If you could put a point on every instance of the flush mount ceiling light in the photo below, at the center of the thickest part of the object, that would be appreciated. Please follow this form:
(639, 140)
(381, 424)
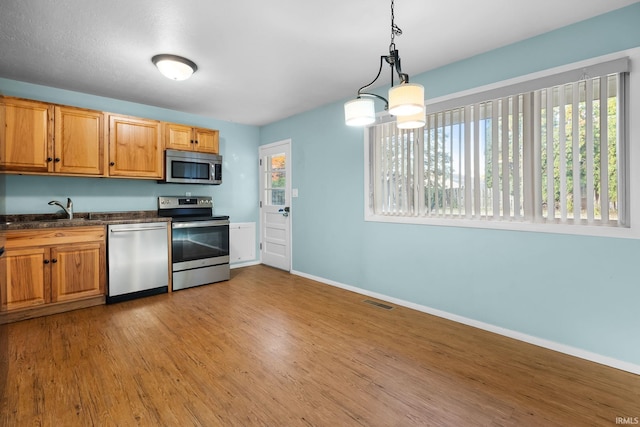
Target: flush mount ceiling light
(405, 99)
(174, 67)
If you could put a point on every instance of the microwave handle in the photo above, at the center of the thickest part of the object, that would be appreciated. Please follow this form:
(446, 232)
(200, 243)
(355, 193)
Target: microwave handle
(216, 171)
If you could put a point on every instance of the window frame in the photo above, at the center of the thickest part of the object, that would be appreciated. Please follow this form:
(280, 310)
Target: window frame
(631, 137)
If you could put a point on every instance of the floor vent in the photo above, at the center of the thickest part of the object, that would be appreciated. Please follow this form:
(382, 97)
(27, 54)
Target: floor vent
(378, 304)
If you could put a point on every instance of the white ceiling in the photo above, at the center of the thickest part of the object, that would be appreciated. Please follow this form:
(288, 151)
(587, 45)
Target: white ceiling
(258, 61)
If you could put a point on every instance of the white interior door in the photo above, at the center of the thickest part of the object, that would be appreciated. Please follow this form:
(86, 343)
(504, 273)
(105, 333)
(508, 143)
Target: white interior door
(275, 202)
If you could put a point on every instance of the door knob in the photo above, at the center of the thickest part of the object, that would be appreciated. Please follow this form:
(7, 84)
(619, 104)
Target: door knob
(285, 211)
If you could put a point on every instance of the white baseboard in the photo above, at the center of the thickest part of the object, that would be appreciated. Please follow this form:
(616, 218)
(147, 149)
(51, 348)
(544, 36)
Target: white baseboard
(245, 264)
(540, 342)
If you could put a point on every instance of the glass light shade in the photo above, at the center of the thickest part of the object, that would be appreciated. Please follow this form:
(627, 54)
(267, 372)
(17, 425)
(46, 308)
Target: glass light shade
(359, 112)
(413, 121)
(174, 67)
(406, 99)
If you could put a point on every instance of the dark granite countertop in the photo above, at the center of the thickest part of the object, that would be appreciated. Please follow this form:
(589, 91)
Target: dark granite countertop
(80, 219)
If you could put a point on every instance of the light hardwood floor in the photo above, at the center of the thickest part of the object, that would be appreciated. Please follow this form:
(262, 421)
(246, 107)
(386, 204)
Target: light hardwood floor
(272, 349)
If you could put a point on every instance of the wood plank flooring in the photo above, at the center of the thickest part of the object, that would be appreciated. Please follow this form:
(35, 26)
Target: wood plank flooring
(271, 349)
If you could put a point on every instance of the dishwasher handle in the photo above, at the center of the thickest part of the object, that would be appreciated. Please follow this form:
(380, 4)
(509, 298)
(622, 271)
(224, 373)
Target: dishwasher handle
(126, 230)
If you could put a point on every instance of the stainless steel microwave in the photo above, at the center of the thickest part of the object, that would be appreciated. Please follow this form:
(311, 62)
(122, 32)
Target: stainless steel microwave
(188, 167)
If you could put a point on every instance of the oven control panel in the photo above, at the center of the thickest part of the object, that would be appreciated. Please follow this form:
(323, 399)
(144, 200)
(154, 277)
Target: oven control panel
(173, 202)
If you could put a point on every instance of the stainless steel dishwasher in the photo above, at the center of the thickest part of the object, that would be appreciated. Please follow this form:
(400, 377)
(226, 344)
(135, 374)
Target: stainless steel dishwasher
(138, 260)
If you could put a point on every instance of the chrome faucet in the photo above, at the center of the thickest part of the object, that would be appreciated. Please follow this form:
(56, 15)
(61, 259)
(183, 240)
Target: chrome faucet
(68, 210)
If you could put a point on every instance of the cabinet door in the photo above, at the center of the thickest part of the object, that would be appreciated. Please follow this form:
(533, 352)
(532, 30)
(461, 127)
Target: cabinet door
(135, 147)
(26, 278)
(77, 271)
(78, 141)
(26, 135)
(207, 141)
(178, 137)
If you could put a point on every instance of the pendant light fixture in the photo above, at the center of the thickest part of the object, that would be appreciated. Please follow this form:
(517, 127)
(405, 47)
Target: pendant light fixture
(174, 67)
(406, 100)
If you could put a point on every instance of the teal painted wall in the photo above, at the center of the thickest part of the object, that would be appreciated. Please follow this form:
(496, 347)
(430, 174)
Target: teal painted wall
(578, 291)
(236, 197)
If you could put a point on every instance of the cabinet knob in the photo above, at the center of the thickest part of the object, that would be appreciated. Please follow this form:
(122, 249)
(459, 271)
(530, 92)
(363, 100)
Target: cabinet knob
(192, 141)
(53, 261)
(57, 159)
(196, 141)
(46, 261)
(112, 164)
(49, 159)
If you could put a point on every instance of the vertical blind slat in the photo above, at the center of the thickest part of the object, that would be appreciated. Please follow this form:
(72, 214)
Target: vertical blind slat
(495, 159)
(562, 137)
(436, 140)
(590, 154)
(388, 170)
(468, 198)
(517, 204)
(445, 187)
(550, 175)
(377, 169)
(604, 151)
(575, 150)
(537, 152)
(476, 161)
(505, 159)
(419, 162)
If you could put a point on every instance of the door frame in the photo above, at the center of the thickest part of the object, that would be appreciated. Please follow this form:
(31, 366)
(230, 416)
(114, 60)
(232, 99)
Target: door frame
(288, 144)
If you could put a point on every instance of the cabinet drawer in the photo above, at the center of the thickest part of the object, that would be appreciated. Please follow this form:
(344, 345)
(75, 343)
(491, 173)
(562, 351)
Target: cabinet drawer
(53, 236)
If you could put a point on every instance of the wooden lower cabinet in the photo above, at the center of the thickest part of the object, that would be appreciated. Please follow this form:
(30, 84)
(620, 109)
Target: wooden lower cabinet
(76, 272)
(26, 278)
(45, 269)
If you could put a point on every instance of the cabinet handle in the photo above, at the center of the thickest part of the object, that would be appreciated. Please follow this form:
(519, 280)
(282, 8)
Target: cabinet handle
(192, 141)
(112, 164)
(53, 261)
(49, 159)
(196, 141)
(46, 261)
(57, 159)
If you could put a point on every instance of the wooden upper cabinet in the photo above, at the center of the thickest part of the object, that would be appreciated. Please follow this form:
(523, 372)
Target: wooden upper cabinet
(26, 130)
(43, 138)
(135, 147)
(178, 137)
(78, 141)
(207, 141)
(181, 137)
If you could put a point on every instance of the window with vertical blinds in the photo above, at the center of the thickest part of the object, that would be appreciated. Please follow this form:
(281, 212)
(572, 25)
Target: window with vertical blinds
(553, 154)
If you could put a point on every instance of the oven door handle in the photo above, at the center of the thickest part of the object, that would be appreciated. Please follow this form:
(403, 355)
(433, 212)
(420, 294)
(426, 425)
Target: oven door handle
(198, 224)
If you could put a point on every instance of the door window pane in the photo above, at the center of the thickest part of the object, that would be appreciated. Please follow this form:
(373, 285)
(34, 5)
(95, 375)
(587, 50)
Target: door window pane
(275, 179)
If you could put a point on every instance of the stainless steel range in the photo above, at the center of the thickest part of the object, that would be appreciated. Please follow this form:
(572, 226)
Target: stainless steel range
(199, 241)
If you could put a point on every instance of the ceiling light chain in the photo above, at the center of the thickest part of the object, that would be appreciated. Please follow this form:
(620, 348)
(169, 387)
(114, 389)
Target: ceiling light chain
(395, 30)
(406, 99)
